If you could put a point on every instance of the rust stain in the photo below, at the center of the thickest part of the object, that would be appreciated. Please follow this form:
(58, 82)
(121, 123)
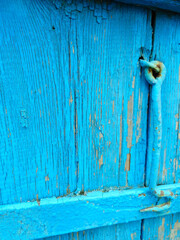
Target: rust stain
(130, 121)
(73, 49)
(161, 230)
(128, 161)
(142, 194)
(101, 161)
(162, 193)
(177, 115)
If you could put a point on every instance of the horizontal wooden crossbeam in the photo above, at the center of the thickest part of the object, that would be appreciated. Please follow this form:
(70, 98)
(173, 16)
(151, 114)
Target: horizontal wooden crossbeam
(170, 5)
(54, 216)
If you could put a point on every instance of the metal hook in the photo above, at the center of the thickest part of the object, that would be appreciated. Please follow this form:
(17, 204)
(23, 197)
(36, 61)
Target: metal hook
(155, 73)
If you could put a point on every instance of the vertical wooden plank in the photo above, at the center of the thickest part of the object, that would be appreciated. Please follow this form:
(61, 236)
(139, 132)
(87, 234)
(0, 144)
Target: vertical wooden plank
(129, 231)
(167, 49)
(37, 116)
(112, 99)
(162, 228)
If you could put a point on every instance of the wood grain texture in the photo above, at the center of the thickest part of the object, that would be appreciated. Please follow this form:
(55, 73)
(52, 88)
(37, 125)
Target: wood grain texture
(167, 49)
(73, 106)
(170, 5)
(129, 231)
(37, 121)
(162, 228)
(111, 99)
(73, 117)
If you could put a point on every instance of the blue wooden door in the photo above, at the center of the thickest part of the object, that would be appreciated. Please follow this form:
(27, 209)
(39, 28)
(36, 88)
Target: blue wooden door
(74, 116)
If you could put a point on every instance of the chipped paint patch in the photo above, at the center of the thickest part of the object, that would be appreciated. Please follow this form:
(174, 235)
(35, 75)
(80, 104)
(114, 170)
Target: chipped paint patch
(161, 230)
(175, 230)
(70, 99)
(130, 121)
(177, 125)
(37, 200)
(138, 122)
(101, 162)
(128, 162)
(133, 82)
(133, 235)
(120, 137)
(47, 178)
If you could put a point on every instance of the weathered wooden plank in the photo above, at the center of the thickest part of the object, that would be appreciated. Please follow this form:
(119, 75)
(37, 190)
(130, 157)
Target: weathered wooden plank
(129, 231)
(73, 107)
(37, 150)
(162, 228)
(55, 216)
(170, 5)
(166, 33)
(111, 98)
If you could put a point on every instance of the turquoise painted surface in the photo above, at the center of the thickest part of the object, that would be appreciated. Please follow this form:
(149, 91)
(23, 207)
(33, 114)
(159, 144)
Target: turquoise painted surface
(74, 108)
(167, 48)
(161, 228)
(74, 105)
(116, 232)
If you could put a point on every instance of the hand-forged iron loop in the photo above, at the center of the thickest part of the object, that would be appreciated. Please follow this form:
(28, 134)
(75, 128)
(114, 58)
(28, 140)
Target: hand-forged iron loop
(155, 73)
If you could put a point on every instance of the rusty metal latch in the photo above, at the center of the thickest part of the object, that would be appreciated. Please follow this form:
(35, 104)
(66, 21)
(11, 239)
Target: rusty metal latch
(155, 73)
